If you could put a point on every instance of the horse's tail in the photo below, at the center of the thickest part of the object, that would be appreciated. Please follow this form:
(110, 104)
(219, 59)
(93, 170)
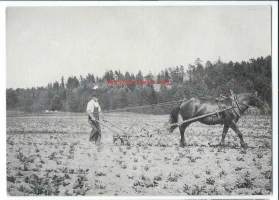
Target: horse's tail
(174, 118)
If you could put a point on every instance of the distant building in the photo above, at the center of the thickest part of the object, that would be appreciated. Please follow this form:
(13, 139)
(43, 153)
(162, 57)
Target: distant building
(157, 87)
(168, 86)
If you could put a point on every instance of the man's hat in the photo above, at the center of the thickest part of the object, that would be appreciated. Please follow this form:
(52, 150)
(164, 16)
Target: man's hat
(94, 91)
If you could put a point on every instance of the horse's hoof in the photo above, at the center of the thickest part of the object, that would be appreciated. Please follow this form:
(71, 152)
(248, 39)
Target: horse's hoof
(182, 144)
(221, 144)
(244, 146)
(243, 151)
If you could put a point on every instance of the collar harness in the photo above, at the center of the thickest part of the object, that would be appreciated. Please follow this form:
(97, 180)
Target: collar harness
(236, 104)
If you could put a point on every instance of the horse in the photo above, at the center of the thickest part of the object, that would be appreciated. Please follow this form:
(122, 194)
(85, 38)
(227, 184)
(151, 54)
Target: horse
(195, 107)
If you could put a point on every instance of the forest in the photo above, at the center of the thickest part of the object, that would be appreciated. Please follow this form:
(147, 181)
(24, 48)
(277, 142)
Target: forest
(199, 79)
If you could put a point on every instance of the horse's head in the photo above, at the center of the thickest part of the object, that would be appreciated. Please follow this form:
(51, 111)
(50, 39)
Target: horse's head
(252, 99)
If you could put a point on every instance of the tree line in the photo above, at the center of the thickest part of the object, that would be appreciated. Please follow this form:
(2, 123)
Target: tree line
(197, 80)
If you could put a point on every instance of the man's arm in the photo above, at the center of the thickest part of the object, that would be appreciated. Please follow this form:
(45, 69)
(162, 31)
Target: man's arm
(99, 108)
(101, 114)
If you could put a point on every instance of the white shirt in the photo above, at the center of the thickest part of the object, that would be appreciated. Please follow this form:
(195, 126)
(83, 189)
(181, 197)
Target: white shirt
(91, 105)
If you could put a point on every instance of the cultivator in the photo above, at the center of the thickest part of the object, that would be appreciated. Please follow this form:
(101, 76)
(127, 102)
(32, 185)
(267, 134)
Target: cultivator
(131, 134)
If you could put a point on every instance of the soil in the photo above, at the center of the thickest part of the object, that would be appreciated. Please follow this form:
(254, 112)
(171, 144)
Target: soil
(51, 155)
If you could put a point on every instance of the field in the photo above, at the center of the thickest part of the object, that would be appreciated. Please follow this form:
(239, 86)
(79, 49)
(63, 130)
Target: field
(50, 154)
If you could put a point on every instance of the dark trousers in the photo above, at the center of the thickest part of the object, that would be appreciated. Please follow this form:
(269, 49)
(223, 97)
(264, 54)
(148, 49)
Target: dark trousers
(95, 134)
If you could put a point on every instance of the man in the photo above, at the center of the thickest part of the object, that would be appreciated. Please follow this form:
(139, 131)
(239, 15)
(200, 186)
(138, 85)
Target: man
(93, 110)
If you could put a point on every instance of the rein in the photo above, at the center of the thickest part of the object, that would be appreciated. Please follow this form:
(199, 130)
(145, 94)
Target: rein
(235, 100)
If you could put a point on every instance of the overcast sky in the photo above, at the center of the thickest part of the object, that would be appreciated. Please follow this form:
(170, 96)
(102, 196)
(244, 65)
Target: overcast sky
(45, 43)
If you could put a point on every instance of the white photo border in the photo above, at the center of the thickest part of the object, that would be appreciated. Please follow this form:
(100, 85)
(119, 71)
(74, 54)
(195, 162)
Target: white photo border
(274, 6)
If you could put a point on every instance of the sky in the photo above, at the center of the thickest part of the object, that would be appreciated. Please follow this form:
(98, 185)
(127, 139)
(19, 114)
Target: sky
(46, 43)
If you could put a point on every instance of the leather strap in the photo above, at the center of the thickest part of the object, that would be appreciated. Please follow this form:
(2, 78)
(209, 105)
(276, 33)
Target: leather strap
(237, 104)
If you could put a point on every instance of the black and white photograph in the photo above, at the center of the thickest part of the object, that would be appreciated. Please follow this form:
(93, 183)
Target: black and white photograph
(145, 100)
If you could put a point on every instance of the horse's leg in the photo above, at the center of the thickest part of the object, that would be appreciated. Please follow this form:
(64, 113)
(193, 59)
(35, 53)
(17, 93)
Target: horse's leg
(225, 131)
(239, 134)
(182, 137)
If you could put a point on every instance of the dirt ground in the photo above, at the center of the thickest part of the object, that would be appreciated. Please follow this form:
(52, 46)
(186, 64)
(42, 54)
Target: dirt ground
(50, 154)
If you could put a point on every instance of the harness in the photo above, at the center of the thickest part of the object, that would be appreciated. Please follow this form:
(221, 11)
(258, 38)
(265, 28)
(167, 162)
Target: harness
(221, 105)
(236, 104)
